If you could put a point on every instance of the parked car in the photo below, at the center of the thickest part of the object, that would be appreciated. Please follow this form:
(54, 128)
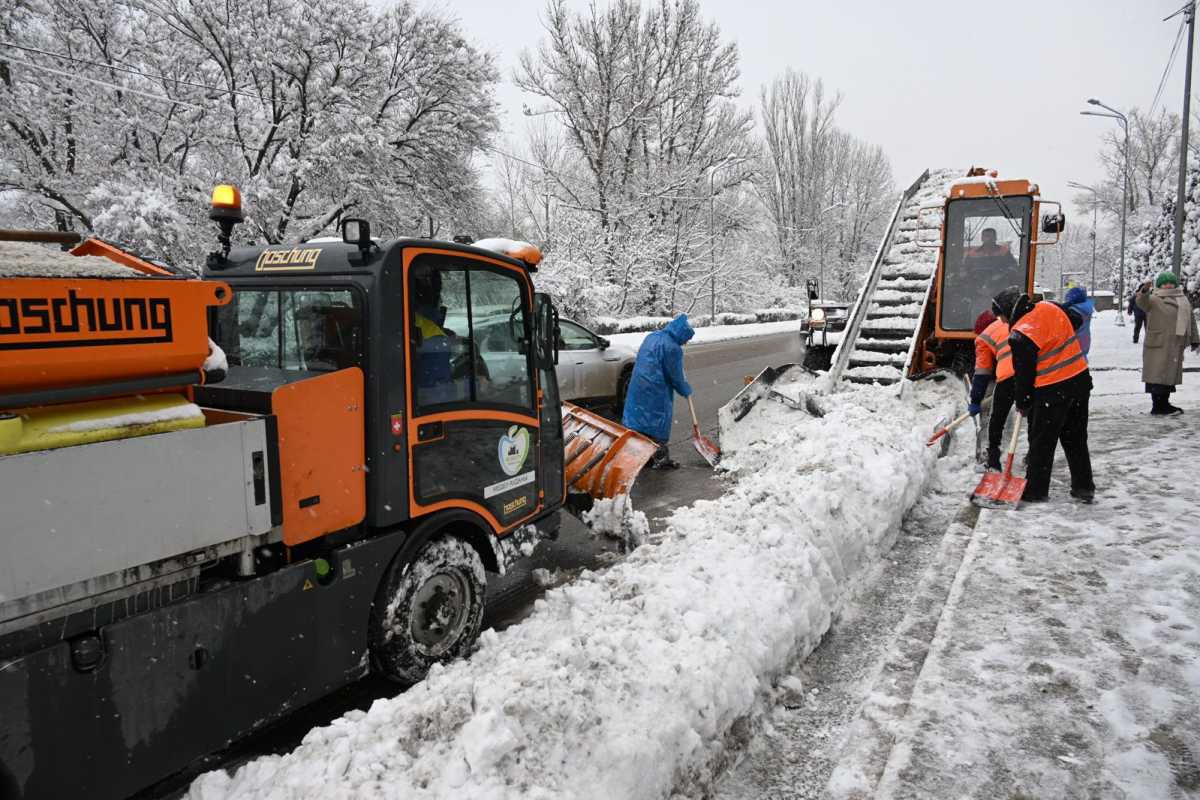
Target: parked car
(591, 369)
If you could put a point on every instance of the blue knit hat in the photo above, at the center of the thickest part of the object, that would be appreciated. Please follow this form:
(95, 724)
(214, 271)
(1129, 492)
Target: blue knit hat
(1165, 277)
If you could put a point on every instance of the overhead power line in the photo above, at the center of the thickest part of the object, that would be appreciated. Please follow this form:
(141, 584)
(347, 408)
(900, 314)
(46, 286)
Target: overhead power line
(1167, 71)
(106, 84)
(129, 70)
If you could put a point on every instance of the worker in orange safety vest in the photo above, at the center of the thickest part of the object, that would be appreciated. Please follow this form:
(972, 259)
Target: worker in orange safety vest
(993, 361)
(1052, 386)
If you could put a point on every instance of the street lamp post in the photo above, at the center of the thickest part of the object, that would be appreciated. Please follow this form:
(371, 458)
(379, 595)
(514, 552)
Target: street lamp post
(1095, 216)
(1117, 115)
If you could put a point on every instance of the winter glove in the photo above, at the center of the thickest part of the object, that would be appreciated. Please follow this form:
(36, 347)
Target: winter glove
(973, 408)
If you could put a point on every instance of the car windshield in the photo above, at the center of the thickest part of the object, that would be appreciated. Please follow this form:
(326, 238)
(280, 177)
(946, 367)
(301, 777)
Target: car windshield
(986, 250)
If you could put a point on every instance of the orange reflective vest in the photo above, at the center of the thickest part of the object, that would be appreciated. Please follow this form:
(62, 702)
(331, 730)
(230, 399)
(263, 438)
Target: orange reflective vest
(1059, 355)
(992, 354)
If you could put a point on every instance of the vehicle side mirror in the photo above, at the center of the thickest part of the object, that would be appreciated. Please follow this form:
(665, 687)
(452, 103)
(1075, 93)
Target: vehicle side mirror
(602, 343)
(547, 333)
(356, 232)
(1054, 223)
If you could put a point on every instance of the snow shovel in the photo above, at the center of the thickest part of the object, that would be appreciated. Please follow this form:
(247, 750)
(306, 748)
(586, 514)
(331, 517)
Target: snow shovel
(943, 431)
(999, 489)
(704, 446)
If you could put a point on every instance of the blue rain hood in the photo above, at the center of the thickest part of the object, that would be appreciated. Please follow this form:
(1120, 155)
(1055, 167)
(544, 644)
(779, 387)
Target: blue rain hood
(1078, 301)
(657, 377)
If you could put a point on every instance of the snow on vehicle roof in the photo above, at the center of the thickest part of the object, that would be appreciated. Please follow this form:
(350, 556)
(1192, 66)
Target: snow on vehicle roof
(513, 248)
(27, 260)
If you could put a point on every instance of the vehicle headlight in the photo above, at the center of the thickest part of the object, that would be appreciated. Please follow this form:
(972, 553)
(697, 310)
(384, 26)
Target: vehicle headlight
(817, 318)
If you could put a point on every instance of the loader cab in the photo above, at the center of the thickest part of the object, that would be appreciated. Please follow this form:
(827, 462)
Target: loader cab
(987, 248)
(460, 397)
(989, 241)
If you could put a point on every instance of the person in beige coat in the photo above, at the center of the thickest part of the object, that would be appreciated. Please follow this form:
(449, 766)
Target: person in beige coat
(1170, 327)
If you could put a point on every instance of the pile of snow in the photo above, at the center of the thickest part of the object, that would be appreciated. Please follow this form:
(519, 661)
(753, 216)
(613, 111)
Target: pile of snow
(647, 324)
(720, 333)
(27, 260)
(626, 683)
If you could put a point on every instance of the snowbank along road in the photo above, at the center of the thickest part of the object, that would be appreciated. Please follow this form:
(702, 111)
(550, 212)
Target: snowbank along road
(633, 681)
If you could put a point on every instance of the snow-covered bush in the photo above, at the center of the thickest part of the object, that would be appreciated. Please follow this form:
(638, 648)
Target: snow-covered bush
(778, 314)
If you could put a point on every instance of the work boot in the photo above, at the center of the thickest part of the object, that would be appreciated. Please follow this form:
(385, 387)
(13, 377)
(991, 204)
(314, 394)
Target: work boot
(1159, 405)
(1084, 495)
(666, 463)
(1171, 410)
(993, 461)
(1029, 497)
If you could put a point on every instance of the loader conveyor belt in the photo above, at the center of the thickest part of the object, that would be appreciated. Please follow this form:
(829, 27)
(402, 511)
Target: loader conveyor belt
(877, 345)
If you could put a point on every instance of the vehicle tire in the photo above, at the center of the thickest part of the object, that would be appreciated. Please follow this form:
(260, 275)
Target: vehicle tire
(427, 610)
(622, 390)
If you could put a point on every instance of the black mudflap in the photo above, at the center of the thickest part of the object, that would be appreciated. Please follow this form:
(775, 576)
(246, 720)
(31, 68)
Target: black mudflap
(185, 680)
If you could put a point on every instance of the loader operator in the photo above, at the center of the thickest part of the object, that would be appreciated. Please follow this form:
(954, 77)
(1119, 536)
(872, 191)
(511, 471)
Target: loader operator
(1052, 386)
(993, 360)
(990, 249)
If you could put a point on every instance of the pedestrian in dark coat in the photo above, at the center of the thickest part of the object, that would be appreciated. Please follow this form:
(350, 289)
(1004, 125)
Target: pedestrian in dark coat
(657, 378)
(1139, 316)
(1170, 327)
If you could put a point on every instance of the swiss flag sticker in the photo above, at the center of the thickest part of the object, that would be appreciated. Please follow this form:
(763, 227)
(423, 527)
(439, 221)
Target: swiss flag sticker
(397, 424)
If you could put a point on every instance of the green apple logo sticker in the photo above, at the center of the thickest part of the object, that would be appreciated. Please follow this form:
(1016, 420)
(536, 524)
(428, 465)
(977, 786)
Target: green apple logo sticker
(514, 446)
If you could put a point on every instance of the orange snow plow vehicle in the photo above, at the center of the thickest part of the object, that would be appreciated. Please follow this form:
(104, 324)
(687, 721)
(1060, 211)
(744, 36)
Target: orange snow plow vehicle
(199, 536)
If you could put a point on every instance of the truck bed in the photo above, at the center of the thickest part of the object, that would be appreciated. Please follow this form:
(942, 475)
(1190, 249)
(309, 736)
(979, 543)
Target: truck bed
(80, 522)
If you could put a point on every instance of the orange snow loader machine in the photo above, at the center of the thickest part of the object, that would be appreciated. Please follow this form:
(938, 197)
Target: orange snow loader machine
(989, 241)
(191, 548)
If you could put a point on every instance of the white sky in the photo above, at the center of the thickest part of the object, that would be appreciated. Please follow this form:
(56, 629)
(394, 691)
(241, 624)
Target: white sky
(935, 82)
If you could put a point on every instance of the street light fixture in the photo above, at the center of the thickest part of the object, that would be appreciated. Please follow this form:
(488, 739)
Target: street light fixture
(1095, 215)
(1117, 115)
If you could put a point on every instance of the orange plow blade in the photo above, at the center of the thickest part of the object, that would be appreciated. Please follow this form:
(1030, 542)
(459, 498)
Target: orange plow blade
(602, 457)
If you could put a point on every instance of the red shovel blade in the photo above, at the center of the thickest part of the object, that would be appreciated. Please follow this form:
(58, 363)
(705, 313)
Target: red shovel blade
(705, 447)
(998, 489)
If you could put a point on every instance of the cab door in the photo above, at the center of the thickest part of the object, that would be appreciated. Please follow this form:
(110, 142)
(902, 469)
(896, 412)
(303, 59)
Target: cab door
(473, 430)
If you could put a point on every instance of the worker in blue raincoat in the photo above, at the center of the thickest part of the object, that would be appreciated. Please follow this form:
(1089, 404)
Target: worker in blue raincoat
(1077, 299)
(657, 376)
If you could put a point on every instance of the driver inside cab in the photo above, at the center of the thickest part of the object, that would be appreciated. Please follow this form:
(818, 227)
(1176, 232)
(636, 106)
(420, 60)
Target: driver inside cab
(431, 342)
(990, 248)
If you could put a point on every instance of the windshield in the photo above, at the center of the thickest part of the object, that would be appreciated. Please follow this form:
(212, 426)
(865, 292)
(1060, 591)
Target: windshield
(296, 329)
(986, 251)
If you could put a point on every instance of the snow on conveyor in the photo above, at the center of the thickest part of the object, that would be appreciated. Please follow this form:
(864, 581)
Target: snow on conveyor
(625, 683)
(26, 260)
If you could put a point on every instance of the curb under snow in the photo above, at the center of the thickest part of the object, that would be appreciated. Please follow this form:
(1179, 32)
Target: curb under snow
(625, 683)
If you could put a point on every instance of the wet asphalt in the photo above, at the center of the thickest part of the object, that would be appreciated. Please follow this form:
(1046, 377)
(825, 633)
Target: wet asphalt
(716, 371)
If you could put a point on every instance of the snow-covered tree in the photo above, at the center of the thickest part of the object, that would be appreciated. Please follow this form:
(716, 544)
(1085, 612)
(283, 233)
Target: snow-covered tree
(1151, 250)
(824, 192)
(119, 117)
(646, 96)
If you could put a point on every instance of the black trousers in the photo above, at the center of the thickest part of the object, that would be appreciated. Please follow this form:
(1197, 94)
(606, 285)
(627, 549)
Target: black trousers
(1059, 415)
(1002, 403)
(1138, 322)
